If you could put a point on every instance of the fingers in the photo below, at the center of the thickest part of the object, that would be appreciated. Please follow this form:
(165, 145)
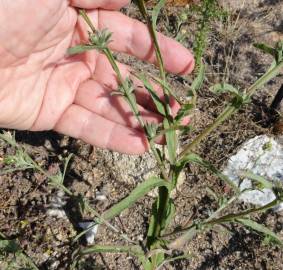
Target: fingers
(105, 4)
(132, 37)
(96, 98)
(83, 124)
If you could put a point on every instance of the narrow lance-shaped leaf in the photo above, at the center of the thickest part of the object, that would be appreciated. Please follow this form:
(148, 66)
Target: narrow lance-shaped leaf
(156, 11)
(152, 223)
(265, 48)
(164, 85)
(260, 228)
(80, 49)
(110, 249)
(9, 246)
(279, 49)
(198, 81)
(67, 161)
(9, 138)
(276, 52)
(132, 250)
(157, 101)
(140, 191)
(198, 160)
(224, 88)
(263, 183)
(171, 140)
(170, 213)
(183, 112)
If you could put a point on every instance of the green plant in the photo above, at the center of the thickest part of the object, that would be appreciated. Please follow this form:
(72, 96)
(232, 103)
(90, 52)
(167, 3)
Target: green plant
(204, 12)
(208, 10)
(160, 244)
(159, 249)
(12, 256)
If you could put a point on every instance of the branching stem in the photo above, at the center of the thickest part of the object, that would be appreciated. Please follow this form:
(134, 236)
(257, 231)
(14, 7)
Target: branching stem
(231, 109)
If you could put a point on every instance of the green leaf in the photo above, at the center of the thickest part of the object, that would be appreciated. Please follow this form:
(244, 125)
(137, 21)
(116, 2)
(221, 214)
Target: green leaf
(171, 140)
(147, 265)
(266, 49)
(198, 81)
(261, 228)
(187, 256)
(276, 52)
(9, 137)
(170, 213)
(132, 250)
(279, 50)
(157, 101)
(80, 49)
(165, 86)
(100, 39)
(67, 161)
(158, 259)
(194, 158)
(156, 11)
(151, 129)
(58, 179)
(9, 246)
(263, 183)
(140, 191)
(183, 112)
(221, 88)
(136, 250)
(152, 224)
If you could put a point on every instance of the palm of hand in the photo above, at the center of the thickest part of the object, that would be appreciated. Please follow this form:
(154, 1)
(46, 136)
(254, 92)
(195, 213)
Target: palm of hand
(42, 89)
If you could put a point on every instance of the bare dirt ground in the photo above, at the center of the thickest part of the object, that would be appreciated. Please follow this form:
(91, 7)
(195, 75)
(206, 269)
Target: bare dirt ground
(25, 197)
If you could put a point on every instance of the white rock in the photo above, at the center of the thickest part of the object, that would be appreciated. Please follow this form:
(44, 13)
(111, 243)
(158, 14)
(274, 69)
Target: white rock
(91, 228)
(262, 156)
(58, 213)
(99, 196)
(56, 205)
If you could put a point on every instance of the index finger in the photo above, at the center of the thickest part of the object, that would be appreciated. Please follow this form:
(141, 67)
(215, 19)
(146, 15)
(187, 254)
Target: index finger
(132, 37)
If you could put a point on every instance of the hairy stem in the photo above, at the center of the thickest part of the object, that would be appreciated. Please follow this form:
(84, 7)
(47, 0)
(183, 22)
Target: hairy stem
(212, 220)
(231, 109)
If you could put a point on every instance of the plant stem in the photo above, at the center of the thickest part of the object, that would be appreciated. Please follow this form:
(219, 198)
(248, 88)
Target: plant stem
(115, 67)
(232, 217)
(163, 193)
(222, 117)
(158, 54)
(102, 220)
(159, 161)
(83, 13)
(134, 109)
(211, 221)
(231, 109)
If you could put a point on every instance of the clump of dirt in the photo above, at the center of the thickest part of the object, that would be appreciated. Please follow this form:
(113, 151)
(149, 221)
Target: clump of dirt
(25, 197)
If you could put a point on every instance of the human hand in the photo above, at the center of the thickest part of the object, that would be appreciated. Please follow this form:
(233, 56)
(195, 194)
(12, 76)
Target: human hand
(43, 89)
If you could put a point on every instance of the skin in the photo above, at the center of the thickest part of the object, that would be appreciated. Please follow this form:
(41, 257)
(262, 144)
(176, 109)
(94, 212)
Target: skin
(41, 88)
